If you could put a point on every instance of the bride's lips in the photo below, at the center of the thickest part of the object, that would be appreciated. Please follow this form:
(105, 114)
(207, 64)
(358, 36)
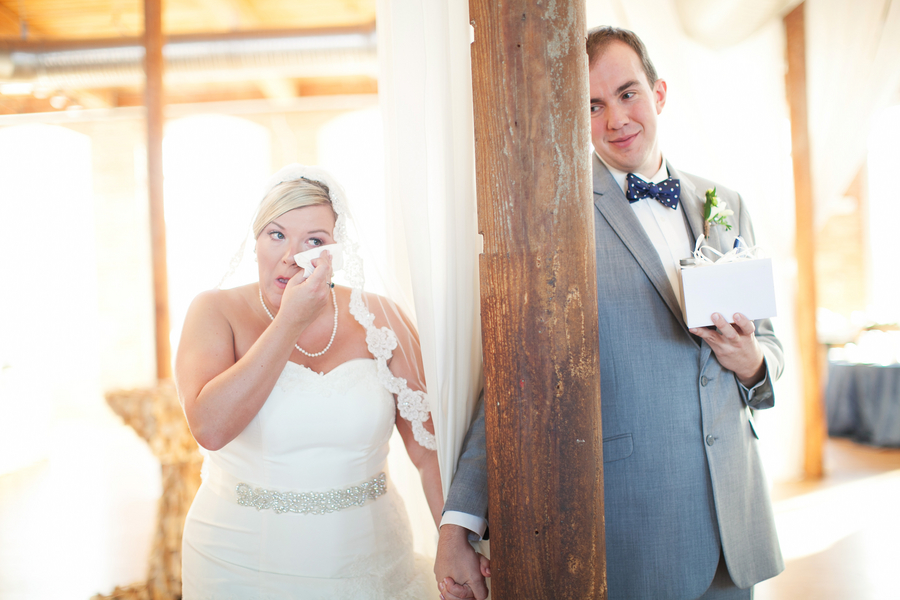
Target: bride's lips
(281, 282)
(624, 142)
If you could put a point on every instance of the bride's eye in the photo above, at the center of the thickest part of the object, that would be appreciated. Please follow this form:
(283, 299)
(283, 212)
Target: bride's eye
(276, 235)
(314, 242)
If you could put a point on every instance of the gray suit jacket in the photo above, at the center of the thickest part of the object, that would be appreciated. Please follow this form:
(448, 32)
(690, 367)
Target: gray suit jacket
(682, 473)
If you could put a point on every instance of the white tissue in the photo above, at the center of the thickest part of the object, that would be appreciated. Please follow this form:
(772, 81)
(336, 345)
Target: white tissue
(304, 259)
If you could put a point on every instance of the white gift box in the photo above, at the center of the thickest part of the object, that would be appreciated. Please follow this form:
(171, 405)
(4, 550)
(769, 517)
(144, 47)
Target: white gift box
(742, 286)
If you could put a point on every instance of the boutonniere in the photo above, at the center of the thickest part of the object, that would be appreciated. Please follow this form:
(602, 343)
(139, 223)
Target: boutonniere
(715, 212)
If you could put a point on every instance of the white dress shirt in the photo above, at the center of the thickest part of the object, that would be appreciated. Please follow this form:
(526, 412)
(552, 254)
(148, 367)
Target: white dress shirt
(665, 227)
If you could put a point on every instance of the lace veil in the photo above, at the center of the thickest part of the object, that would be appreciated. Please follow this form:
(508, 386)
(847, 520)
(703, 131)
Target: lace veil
(390, 334)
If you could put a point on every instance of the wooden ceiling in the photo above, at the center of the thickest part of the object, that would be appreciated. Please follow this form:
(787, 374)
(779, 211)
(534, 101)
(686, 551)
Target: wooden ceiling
(91, 19)
(33, 23)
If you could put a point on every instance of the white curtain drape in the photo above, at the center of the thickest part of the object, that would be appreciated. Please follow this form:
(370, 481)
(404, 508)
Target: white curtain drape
(723, 23)
(425, 90)
(853, 71)
(852, 51)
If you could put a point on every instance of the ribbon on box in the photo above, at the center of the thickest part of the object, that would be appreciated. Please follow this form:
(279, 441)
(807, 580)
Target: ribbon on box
(741, 282)
(740, 252)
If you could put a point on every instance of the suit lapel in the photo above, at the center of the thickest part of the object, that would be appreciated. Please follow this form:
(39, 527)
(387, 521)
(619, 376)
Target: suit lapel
(612, 204)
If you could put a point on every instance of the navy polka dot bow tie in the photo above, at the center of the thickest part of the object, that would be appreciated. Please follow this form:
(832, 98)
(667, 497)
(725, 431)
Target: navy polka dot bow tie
(667, 191)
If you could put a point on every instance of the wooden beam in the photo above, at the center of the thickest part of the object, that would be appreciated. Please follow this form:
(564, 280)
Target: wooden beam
(153, 61)
(334, 86)
(14, 21)
(10, 23)
(181, 95)
(239, 14)
(814, 419)
(91, 98)
(277, 88)
(82, 44)
(538, 300)
(231, 14)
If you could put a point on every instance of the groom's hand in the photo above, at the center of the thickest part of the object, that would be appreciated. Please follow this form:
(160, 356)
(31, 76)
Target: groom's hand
(458, 569)
(735, 347)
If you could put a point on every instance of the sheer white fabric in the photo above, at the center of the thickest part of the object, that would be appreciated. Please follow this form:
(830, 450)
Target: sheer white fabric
(719, 24)
(849, 46)
(852, 51)
(351, 147)
(426, 99)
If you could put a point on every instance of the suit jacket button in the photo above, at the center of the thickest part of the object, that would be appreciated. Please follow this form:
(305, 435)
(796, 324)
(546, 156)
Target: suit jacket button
(710, 440)
(704, 381)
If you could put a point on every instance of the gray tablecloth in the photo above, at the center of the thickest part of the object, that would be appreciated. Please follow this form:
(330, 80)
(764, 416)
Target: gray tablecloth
(863, 402)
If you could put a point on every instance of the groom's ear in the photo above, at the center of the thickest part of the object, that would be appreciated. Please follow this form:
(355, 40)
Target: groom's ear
(660, 89)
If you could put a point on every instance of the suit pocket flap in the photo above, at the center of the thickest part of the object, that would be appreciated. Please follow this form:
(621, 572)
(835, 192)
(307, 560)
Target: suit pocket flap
(617, 447)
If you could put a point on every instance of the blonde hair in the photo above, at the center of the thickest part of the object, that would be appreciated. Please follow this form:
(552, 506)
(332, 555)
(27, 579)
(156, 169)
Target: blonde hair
(286, 196)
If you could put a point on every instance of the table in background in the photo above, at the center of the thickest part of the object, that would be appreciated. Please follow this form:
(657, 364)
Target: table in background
(863, 402)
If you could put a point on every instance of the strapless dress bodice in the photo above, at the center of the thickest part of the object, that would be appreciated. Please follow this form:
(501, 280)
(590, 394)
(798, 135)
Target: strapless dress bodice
(315, 431)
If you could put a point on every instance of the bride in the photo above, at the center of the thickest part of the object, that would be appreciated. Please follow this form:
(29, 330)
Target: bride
(293, 386)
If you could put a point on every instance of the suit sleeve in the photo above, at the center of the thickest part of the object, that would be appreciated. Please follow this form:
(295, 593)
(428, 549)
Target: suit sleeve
(761, 395)
(469, 490)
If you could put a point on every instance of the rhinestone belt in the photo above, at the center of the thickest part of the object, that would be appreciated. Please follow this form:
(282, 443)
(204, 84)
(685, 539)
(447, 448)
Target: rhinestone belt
(312, 503)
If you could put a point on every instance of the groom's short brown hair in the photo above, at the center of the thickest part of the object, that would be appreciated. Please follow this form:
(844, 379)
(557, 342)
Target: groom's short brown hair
(599, 38)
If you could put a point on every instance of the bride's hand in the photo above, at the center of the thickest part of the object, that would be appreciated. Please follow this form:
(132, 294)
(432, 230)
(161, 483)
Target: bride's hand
(305, 297)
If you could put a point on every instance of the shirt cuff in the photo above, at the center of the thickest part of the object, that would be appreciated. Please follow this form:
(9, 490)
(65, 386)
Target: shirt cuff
(475, 525)
(749, 393)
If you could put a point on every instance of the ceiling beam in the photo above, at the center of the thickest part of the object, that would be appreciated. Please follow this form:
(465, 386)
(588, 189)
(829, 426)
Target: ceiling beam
(240, 14)
(12, 22)
(355, 6)
(277, 88)
(273, 88)
(231, 14)
(81, 44)
(91, 99)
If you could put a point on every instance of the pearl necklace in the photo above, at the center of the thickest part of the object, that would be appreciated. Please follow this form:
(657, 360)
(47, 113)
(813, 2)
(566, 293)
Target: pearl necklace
(333, 331)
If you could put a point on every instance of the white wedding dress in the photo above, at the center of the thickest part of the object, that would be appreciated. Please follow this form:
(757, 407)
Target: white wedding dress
(315, 433)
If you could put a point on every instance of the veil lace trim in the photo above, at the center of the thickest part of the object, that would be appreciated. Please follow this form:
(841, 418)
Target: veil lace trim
(412, 404)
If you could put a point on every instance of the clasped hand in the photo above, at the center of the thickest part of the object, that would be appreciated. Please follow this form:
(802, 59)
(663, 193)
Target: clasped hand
(458, 569)
(735, 347)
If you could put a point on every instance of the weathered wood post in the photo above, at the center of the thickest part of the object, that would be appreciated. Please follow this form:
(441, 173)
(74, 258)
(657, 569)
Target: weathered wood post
(805, 246)
(538, 299)
(153, 67)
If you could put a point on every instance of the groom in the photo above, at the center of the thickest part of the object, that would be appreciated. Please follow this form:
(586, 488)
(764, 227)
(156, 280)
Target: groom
(688, 513)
